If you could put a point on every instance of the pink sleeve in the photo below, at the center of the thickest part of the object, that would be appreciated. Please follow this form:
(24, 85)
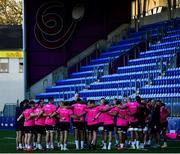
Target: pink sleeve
(114, 109)
(43, 108)
(23, 113)
(58, 110)
(70, 112)
(97, 108)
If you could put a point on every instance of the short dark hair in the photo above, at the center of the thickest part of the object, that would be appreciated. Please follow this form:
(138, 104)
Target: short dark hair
(66, 103)
(91, 101)
(39, 102)
(26, 101)
(21, 104)
(138, 99)
(118, 102)
(50, 99)
(31, 103)
(106, 102)
(78, 100)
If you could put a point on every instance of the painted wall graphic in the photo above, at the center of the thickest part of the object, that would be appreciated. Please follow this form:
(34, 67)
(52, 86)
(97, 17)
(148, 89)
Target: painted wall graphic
(49, 24)
(57, 30)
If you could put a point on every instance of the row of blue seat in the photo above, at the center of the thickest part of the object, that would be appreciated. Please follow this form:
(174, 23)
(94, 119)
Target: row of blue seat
(173, 32)
(148, 60)
(103, 60)
(119, 84)
(137, 68)
(173, 72)
(165, 97)
(80, 80)
(73, 87)
(165, 45)
(107, 92)
(160, 89)
(165, 80)
(157, 52)
(93, 67)
(55, 94)
(170, 38)
(121, 47)
(131, 75)
(86, 73)
(113, 53)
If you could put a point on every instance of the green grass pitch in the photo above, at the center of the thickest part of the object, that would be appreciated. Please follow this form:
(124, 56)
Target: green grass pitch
(7, 145)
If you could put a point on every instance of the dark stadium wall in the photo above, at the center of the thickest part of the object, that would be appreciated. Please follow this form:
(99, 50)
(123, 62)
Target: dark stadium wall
(47, 49)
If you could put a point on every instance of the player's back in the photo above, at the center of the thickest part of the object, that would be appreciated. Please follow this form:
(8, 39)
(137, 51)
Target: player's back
(91, 114)
(65, 113)
(132, 110)
(102, 115)
(78, 109)
(132, 107)
(26, 114)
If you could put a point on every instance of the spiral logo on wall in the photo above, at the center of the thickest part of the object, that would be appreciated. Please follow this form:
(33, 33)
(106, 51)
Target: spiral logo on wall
(49, 28)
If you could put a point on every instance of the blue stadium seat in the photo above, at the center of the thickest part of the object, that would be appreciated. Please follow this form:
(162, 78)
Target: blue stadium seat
(157, 52)
(92, 67)
(70, 87)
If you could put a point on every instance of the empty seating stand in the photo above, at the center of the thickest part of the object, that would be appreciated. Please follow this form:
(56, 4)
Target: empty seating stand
(150, 75)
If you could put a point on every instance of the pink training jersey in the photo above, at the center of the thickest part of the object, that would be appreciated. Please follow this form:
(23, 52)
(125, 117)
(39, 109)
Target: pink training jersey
(108, 119)
(79, 109)
(132, 108)
(64, 114)
(122, 121)
(101, 117)
(41, 120)
(91, 114)
(49, 109)
(163, 114)
(26, 114)
(115, 109)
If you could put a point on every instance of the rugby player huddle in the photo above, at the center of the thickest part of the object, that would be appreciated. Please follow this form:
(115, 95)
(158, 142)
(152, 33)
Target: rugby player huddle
(133, 124)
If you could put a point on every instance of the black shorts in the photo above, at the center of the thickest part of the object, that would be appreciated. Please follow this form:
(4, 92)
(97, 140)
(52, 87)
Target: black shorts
(155, 128)
(122, 129)
(93, 127)
(100, 124)
(28, 129)
(64, 126)
(19, 127)
(85, 125)
(134, 124)
(109, 128)
(79, 125)
(39, 129)
(164, 126)
(141, 124)
(56, 127)
(49, 128)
